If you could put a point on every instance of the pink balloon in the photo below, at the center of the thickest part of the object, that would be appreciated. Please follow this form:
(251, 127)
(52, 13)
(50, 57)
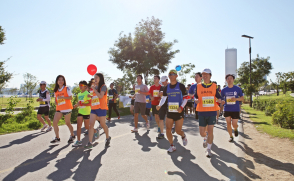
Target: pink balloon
(92, 69)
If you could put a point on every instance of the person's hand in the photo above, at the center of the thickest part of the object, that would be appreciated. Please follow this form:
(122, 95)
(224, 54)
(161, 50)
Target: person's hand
(160, 93)
(197, 101)
(60, 97)
(233, 99)
(158, 107)
(39, 99)
(223, 102)
(180, 110)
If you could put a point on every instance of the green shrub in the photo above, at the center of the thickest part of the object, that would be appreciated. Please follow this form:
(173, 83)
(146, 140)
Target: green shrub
(35, 124)
(284, 115)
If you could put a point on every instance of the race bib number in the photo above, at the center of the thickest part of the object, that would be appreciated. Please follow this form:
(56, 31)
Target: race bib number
(155, 93)
(42, 103)
(173, 107)
(110, 97)
(137, 90)
(229, 100)
(60, 102)
(147, 100)
(95, 101)
(208, 101)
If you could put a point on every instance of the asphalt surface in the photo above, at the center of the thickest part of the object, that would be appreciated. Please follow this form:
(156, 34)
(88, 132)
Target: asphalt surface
(29, 155)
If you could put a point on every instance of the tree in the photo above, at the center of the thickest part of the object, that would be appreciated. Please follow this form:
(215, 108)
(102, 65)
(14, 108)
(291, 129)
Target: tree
(4, 75)
(30, 83)
(146, 53)
(259, 68)
(186, 69)
(13, 91)
(2, 36)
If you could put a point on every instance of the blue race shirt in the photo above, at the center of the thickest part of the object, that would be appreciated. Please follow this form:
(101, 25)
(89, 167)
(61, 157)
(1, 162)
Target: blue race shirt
(174, 95)
(192, 90)
(148, 105)
(111, 92)
(227, 93)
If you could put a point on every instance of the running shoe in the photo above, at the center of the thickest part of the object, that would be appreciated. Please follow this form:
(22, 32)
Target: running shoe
(204, 143)
(107, 142)
(160, 136)
(135, 130)
(171, 149)
(148, 125)
(88, 146)
(77, 143)
(231, 139)
(236, 132)
(118, 117)
(97, 134)
(86, 132)
(44, 127)
(173, 130)
(49, 129)
(71, 138)
(55, 140)
(158, 130)
(208, 153)
(185, 141)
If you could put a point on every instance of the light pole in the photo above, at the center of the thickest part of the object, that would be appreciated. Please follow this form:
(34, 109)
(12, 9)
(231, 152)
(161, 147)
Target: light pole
(249, 37)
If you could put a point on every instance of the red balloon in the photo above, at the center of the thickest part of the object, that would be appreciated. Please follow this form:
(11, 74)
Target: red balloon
(192, 83)
(92, 69)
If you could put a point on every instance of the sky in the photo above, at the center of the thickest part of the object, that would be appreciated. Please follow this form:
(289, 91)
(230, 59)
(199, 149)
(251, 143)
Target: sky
(48, 38)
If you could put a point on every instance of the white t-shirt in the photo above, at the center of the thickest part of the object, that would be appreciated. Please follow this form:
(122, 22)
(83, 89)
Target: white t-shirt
(69, 94)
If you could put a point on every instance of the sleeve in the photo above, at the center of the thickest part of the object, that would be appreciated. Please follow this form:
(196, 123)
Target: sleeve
(162, 101)
(217, 94)
(69, 92)
(47, 96)
(183, 89)
(191, 90)
(195, 95)
(104, 88)
(240, 93)
(164, 91)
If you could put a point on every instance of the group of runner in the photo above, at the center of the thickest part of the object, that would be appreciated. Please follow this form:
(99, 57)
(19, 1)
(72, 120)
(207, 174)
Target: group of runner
(167, 101)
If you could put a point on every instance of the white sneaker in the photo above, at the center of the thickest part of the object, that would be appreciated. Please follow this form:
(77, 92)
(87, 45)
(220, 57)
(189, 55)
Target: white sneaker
(49, 129)
(135, 130)
(171, 149)
(148, 125)
(44, 127)
(208, 153)
(185, 141)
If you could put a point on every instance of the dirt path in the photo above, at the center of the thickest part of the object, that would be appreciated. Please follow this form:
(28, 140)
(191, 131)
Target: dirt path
(267, 158)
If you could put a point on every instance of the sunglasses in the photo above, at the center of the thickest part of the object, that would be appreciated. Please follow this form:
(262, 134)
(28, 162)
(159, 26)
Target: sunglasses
(82, 85)
(172, 74)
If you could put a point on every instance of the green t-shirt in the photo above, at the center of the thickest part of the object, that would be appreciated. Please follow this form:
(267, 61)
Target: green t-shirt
(84, 110)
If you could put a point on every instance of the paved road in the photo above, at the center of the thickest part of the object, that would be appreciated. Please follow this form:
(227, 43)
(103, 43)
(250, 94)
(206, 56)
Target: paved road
(292, 94)
(29, 156)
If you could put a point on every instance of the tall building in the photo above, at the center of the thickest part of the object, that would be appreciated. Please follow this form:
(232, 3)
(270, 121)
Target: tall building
(231, 61)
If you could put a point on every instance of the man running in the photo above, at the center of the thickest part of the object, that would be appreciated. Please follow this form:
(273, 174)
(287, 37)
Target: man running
(189, 104)
(112, 102)
(232, 96)
(141, 91)
(132, 96)
(198, 79)
(205, 97)
(155, 98)
(177, 99)
(44, 100)
(163, 109)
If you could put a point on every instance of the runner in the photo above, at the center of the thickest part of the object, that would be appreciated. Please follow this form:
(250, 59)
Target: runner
(112, 102)
(141, 91)
(177, 99)
(84, 104)
(44, 100)
(232, 96)
(205, 98)
(98, 109)
(221, 105)
(148, 107)
(132, 96)
(163, 108)
(90, 90)
(63, 97)
(198, 79)
(155, 98)
(189, 104)
(240, 102)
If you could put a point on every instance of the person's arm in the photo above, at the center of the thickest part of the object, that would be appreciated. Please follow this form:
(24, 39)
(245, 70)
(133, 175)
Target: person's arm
(191, 91)
(102, 92)
(240, 98)
(47, 97)
(218, 96)
(163, 98)
(185, 97)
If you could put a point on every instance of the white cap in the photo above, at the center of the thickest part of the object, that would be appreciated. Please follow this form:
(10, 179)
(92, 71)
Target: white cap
(163, 78)
(208, 71)
(43, 82)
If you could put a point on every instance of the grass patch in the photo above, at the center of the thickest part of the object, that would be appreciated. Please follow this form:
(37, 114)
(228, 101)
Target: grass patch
(264, 124)
(23, 102)
(274, 96)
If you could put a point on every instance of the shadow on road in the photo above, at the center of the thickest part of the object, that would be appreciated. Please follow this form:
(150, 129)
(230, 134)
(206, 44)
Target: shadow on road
(145, 141)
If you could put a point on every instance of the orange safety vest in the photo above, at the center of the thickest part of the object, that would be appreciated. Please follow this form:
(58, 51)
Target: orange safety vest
(63, 104)
(95, 103)
(98, 103)
(103, 100)
(207, 99)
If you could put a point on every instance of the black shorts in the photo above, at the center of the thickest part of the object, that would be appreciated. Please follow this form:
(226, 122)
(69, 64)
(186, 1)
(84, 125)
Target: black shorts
(147, 111)
(233, 115)
(43, 110)
(175, 116)
(133, 102)
(84, 116)
(154, 110)
(162, 112)
(189, 104)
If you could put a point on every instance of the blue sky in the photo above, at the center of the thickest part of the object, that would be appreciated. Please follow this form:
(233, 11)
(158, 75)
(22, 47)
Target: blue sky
(48, 38)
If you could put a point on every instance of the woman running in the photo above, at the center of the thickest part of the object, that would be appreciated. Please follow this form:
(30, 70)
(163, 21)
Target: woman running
(63, 97)
(98, 109)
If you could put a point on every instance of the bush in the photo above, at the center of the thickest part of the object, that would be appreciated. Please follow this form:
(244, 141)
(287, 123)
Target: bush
(35, 124)
(284, 115)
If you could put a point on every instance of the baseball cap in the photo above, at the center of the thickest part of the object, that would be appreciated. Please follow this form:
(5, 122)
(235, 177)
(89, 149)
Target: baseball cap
(43, 82)
(163, 78)
(208, 71)
(173, 71)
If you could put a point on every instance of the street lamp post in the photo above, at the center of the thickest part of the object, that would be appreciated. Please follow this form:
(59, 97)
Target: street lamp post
(249, 37)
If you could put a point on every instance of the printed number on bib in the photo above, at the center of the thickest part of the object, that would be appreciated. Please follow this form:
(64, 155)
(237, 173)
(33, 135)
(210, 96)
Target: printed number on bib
(60, 101)
(137, 90)
(147, 100)
(110, 97)
(229, 100)
(173, 107)
(42, 103)
(155, 93)
(208, 101)
(95, 101)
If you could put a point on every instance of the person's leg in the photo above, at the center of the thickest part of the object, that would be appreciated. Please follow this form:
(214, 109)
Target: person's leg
(132, 110)
(210, 134)
(48, 120)
(57, 117)
(178, 127)
(67, 122)
(87, 123)
(110, 105)
(142, 108)
(235, 124)
(93, 118)
(169, 124)
(115, 109)
(229, 127)
(103, 125)
(39, 117)
(79, 127)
